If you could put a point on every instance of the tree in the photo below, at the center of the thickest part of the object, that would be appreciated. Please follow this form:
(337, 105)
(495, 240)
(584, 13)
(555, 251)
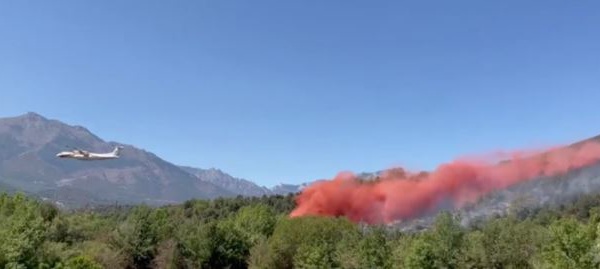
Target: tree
(255, 222)
(195, 244)
(570, 246)
(79, 262)
(315, 254)
(505, 243)
(374, 251)
(137, 237)
(211, 245)
(421, 254)
(447, 239)
(22, 230)
(294, 234)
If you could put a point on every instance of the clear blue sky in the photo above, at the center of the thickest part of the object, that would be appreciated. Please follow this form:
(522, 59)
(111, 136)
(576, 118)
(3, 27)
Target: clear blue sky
(292, 91)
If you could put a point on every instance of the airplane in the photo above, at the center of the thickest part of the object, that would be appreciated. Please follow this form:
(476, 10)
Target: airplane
(90, 156)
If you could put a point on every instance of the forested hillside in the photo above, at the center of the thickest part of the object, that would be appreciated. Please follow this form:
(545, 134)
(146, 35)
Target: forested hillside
(256, 233)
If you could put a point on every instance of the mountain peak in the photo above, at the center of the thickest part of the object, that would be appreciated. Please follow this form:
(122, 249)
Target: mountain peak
(33, 116)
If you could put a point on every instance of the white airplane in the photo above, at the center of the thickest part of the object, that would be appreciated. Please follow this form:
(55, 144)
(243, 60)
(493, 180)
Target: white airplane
(90, 156)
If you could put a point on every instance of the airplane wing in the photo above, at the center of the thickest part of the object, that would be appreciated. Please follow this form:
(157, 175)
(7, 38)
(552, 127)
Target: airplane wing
(82, 152)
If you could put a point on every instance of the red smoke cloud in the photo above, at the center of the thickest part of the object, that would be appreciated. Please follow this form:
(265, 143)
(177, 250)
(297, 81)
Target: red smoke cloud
(400, 194)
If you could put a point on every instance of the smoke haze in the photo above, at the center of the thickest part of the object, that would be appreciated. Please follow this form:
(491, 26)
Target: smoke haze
(402, 195)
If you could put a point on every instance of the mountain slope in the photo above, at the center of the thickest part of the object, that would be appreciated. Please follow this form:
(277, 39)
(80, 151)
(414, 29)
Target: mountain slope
(241, 186)
(226, 181)
(529, 195)
(27, 161)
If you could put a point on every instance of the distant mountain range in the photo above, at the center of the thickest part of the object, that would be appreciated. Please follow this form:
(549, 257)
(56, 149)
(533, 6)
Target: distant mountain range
(29, 143)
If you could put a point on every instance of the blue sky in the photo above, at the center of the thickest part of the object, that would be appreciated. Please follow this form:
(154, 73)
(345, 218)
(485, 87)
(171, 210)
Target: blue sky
(292, 91)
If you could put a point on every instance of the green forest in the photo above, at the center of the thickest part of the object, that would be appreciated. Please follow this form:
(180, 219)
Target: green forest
(256, 233)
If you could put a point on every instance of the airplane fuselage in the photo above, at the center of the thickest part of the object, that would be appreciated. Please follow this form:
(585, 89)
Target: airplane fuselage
(89, 156)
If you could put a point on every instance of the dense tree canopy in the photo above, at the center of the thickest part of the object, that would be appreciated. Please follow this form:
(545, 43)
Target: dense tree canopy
(256, 233)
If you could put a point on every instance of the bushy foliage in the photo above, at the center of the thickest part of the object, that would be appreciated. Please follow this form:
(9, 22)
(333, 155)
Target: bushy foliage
(256, 233)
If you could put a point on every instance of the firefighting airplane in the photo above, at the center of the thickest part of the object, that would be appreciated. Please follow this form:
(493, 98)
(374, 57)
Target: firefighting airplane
(90, 156)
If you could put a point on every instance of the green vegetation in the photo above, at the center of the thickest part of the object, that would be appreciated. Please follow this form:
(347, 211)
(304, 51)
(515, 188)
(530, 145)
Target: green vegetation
(256, 233)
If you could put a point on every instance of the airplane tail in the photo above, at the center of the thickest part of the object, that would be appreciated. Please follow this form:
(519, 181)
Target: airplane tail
(117, 150)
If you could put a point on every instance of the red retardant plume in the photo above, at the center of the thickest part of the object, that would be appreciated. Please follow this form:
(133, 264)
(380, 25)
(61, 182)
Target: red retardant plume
(400, 195)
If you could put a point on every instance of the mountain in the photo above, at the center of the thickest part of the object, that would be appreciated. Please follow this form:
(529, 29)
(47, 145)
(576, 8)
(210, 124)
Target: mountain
(239, 185)
(286, 188)
(29, 143)
(235, 185)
